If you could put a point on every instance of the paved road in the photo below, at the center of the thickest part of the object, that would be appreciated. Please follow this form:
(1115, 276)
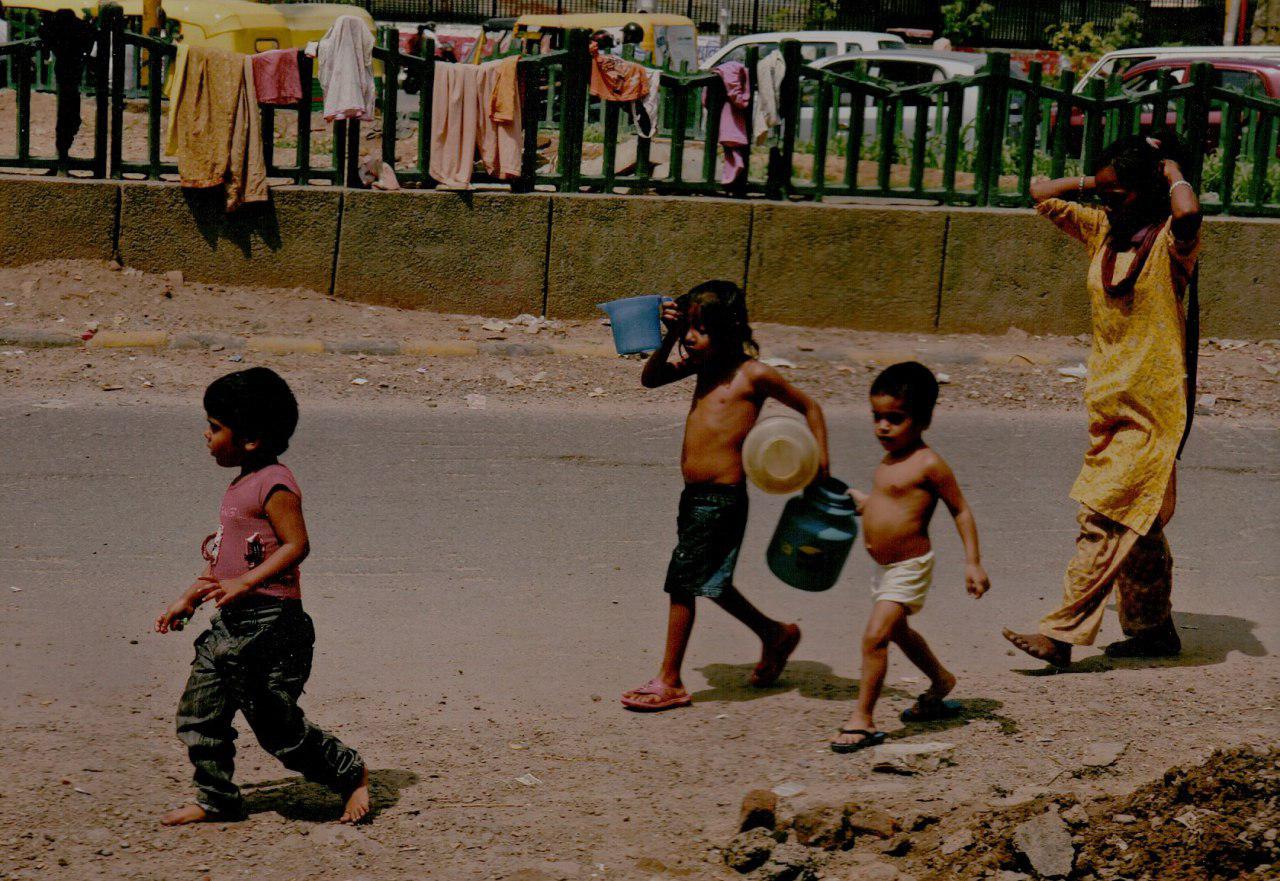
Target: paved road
(512, 561)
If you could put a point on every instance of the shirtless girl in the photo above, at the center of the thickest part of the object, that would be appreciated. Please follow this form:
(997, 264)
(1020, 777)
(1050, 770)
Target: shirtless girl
(710, 322)
(895, 523)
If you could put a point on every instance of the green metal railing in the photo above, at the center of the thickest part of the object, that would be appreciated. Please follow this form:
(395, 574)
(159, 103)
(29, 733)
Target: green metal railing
(975, 140)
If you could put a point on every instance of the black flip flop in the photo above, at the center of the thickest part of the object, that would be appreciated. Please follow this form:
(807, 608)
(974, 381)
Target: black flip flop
(930, 709)
(869, 738)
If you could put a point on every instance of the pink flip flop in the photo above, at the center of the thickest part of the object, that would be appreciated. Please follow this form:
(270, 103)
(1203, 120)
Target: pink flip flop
(668, 698)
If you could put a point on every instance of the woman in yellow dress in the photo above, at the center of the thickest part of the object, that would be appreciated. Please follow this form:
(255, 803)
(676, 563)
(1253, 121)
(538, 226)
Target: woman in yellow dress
(1143, 245)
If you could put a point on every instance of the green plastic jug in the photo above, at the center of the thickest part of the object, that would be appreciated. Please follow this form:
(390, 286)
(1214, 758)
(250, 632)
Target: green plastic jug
(814, 536)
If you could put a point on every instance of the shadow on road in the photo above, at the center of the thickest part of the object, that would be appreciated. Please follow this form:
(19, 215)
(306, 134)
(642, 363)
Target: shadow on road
(976, 709)
(295, 799)
(1206, 640)
(729, 682)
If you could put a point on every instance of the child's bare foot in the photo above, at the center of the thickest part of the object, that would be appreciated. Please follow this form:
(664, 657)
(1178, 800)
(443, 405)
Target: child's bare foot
(1041, 647)
(777, 652)
(357, 804)
(930, 706)
(858, 732)
(184, 815)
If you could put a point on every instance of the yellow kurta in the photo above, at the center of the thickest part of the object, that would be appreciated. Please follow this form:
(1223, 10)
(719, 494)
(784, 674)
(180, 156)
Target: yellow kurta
(1136, 392)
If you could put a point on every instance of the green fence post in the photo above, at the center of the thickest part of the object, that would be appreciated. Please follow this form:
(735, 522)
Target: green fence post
(1030, 128)
(821, 108)
(1062, 126)
(1092, 136)
(155, 107)
(25, 61)
(116, 24)
(951, 158)
(1196, 113)
(391, 64)
(711, 138)
(531, 73)
(102, 93)
(302, 152)
(610, 159)
(1261, 157)
(888, 142)
(853, 143)
(988, 155)
(779, 181)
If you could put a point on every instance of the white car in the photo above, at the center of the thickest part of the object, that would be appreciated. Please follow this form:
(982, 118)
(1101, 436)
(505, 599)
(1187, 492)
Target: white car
(1119, 61)
(813, 44)
(904, 67)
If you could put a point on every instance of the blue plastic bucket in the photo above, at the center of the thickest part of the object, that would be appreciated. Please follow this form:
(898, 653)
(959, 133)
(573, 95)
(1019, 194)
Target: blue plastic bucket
(636, 322)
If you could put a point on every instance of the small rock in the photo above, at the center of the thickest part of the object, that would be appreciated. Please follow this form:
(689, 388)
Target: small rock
(1205, 403)
(779, 362)
(1016, 333)
(957, 842)
(898, 846)
(943, 378)
(820, 825)
(870, 821)
(790, 862)
(1078, 371)
(787, 790)
(1124, 819)
(1076, 815)
(912, 758)
(359, 380)
(759, 811)
(1103, 753)
(1045, 843)
(1006, 875)
(749, 850)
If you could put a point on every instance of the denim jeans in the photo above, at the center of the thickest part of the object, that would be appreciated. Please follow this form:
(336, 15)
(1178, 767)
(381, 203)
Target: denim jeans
(256, 659)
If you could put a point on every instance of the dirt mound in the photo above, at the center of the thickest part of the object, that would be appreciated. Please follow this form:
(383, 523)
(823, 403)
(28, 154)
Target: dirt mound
(1214, 821)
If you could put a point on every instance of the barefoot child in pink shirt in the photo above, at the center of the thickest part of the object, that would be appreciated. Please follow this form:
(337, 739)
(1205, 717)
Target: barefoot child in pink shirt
(256, 655)
(710, 323)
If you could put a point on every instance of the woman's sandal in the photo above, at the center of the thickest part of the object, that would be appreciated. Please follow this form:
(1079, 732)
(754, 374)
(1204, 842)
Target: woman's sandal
(869, 738)
(668, 698)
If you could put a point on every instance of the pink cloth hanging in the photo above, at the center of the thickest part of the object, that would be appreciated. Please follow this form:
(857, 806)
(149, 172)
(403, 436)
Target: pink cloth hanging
(734, 136)
(275, 77)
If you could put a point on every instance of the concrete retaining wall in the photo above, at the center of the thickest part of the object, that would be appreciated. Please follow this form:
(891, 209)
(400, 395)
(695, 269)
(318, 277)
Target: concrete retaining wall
(915, 269)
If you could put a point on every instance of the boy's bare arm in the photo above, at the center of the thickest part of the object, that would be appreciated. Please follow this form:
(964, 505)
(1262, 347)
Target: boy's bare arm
(944, 482)
(284, 512)
(771, 383)
(185, 605)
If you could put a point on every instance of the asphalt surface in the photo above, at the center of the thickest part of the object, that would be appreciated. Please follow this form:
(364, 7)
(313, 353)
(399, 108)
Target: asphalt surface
(514, 560)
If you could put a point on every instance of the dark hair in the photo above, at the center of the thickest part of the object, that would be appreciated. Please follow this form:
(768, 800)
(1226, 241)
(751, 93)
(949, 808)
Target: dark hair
(1137, 163)
(722, 308)
(913, 384)
(256, 404)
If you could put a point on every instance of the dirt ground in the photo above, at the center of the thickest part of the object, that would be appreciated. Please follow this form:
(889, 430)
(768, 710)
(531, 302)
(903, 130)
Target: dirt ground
(1013, 371)
(89, 758)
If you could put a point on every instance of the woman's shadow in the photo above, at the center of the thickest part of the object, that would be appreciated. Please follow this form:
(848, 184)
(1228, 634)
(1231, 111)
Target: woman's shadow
(295, 799)
(1206, 640)
(730, 682)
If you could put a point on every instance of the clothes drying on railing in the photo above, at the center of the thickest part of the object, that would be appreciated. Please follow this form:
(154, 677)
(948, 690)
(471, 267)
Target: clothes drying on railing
(733, 120)
(214, 125)
(769, 73)
(346, 70)
(276, 79)
(70, 38)
(616, 79)
(646, 109)
(475, 107)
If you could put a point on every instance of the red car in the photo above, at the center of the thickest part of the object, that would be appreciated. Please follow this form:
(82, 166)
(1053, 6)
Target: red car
(1237, 74)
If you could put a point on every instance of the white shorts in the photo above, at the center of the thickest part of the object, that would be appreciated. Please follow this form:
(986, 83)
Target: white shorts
(905, 582)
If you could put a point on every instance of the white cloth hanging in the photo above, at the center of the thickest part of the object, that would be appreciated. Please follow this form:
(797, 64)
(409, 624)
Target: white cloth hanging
(769, 73)
(346, 70)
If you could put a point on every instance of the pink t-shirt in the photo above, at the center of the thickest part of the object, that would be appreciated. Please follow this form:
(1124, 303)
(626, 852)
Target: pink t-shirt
(245, 537)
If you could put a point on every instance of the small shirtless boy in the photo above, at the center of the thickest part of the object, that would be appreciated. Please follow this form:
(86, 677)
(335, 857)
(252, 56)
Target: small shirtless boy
(710, 322)
(905, 490)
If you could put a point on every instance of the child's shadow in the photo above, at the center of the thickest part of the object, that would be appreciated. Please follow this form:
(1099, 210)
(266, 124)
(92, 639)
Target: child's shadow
(295, 799)
(977, 709)
(731, 682)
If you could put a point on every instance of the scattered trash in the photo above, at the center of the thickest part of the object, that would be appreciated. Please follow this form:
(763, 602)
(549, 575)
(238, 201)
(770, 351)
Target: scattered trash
(16, 589)
(787, 790)
(779, 362)
(476, 402)
(518, 746)
(596, 392)
(88, 335)
(528, 780)
(83, 791)
(1079, 371)
(112, 388)
(359, 380)
(422, 370)
(236, 358)
(944, 378)
(148, 384)
(10, 305)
